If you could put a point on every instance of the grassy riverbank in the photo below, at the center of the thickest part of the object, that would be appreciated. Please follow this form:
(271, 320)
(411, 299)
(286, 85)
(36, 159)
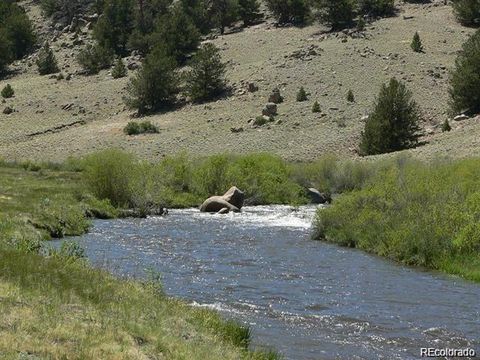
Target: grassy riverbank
(416, 213)
(53, 305)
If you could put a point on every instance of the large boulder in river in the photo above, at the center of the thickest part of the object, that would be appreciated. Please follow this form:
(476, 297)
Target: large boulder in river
(234, 196)
(316, 197)
(215, 204)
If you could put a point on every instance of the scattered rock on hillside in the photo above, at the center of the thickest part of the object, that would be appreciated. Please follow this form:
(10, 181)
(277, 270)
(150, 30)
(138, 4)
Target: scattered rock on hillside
(8, 110)
(316, 197)
(252, 87)
(270, 109)
(461, 117)
(236, 130)
(275, 97)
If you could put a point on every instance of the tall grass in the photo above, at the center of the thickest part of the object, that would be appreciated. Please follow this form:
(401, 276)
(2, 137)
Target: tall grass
(417, 213)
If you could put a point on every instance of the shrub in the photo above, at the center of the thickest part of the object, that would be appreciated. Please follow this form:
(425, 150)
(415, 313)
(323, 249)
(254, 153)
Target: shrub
(467, 12)
(46, 62)
(7, 91)
(248, 11)
(206, 79)
(94, 58)
(260, 120)
(19, 30)
(416, 44)
(416, 213)
(301, 94)
(338, 14)
(289, 11)
(377, 7)
(394, 123)
(361, 24)
(350, 96)
(6, 55)
(465, 79)
(144, 127)
(199, 12)
(114, 28)
(316, 107)
(154, 87)
(119, 70)
(446, 126)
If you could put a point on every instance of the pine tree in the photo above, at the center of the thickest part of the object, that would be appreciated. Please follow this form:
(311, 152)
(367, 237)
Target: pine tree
(46, 62)
(248, 11)
(119, 70)
(316, 107)
(350, 96)
(467, 11)
(416, 44)
(446, 126)
(301, 94)
(6, 55)
(290, 11)
(465, 79)
(154, 87)
(206, 79)
(224, 13)
(7, 91)
(339, 14)
(394, 123)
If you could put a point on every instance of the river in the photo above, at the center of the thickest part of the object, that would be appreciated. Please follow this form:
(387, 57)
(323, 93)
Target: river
(306, 299)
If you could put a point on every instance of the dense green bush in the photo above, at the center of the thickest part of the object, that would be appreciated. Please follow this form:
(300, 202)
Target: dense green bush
(7, 91)
(393, 124)
(301, 94)
(412, 212)
(6, 55)
(46, 62)
(206, 78)
(339, 14)
(94, 58)
(316, 107)
(290, 11)
(155, 86)
(350, 96)
(465, 79)
(137, 128)
(467, 11)
(223, 13)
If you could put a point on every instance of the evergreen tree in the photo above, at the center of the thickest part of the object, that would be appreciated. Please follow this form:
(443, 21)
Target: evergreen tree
(465, 79)
(94, 58)
(316, 107)
(416, 44)
(206, 79)
(198, 11)
(224, 13)
(394, 123)
(6, 55)
(156, 84)
(446, 126)
(350, 96)
(248, 11)
(7, 91)
(114, 28)
(467, 12)
(377, 7)
(178, 34)
(119, 70)
(289, 11)
(301, 94)
(338, 14)
(46, 62)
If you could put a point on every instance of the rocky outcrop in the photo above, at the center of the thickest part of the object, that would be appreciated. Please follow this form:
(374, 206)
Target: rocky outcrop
(316, 197)
(270, 109)
(232, 200)
(275, 97)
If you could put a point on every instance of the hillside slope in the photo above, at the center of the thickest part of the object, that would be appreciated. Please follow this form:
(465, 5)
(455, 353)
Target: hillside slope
(55, 119)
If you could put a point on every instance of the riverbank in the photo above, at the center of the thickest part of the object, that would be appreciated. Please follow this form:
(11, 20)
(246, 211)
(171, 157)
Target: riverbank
(54, 305)
(416, 213)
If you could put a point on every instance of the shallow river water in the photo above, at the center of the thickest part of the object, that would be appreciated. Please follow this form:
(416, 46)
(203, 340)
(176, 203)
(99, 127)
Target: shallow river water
(304, 298)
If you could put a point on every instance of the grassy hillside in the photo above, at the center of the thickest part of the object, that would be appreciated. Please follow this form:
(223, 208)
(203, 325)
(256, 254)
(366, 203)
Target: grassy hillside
(58, 118)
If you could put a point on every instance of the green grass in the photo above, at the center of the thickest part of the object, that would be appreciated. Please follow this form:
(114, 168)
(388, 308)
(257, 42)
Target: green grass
(416, 213)
(55, 306)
